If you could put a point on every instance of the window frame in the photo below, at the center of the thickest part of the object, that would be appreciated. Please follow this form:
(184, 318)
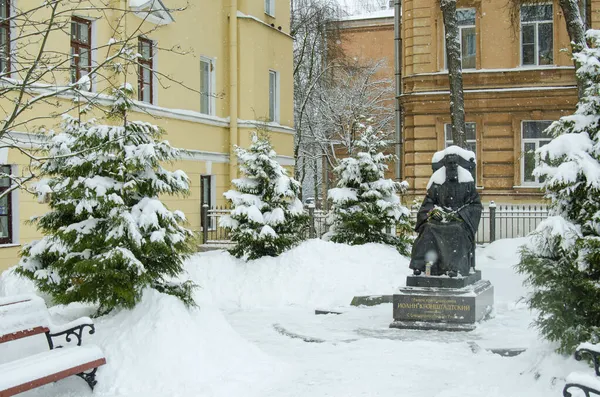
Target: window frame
(7, 169)
(536, 35)
(211, 82)
(76, 44)
(460, 37)
(270, 8)
(5, 25)
(275, 95)
(144, 63)
(524, 140)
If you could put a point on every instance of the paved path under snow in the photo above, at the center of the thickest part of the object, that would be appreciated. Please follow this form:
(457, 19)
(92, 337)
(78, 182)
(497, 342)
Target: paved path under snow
(355, 354)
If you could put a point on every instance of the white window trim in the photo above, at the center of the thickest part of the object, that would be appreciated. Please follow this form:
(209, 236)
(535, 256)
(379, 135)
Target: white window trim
(522, 157)
(94, 54)
(13, 34)
(155, 83)
(271, 5)
(212, 81)
(460, 27)
(277, 96)
(536, 39)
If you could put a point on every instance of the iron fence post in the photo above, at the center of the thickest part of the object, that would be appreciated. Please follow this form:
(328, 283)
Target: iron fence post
(492, 208)
(204, 223)
(311, 213)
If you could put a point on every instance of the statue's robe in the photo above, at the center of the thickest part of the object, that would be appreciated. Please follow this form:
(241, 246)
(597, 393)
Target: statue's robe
(451, 245)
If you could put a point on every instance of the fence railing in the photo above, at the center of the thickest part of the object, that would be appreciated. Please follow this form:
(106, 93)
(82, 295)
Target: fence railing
(505, 220)
(497, 222)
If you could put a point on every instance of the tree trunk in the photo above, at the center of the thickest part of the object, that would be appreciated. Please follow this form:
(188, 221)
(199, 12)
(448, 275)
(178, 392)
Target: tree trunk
(576, 31)
(457, 101)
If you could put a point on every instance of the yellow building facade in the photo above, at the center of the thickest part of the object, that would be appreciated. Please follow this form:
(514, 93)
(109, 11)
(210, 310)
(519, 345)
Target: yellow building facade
(215, 71)
(518, 78)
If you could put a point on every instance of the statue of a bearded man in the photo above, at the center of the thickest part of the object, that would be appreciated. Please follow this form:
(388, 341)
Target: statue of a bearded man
(448, 218)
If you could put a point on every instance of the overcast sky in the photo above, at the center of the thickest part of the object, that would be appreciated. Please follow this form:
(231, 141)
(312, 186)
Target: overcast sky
(354, 7)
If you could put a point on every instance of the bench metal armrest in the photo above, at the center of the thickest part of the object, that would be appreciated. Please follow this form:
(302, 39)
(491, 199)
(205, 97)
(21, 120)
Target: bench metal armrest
(75, 330)
(592, 352)
(586, 390)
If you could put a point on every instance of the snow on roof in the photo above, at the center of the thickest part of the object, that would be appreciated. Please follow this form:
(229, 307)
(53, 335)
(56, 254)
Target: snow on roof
(439, 177)
(388, 13)
(154, 11)
(465, 154)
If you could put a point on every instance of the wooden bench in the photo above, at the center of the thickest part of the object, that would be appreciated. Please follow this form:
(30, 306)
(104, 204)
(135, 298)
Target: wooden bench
(25, 316)
(586, 382)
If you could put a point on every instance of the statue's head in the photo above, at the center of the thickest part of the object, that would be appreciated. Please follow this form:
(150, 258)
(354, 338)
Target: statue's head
(451, 163)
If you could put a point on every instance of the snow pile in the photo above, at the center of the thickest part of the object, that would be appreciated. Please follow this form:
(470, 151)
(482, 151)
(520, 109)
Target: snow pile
(439, 177)
(229, 346)
(314, 274)
(465, 154)
(160, 348)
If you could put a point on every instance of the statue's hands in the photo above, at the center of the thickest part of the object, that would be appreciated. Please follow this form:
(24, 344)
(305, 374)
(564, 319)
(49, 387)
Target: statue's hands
(436, 214)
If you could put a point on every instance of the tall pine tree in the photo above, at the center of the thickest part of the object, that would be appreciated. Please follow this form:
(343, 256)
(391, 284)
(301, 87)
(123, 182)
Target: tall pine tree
(107, 234)
(267, 217)
(562, 262)
(365, 205)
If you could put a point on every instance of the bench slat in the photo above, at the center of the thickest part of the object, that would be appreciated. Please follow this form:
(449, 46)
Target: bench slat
(39, 369)
(21, 316)
(23, 334)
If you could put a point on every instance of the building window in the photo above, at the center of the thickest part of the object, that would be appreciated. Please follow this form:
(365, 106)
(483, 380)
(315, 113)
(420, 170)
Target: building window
(470, 130)
(533, 137)
(466, 28)
(81, 48)
(536, 34)
(4, 36)
(146, 70)
(270, 7)
(5, 206)
(273, 96)
(207, 70)
(466, 38)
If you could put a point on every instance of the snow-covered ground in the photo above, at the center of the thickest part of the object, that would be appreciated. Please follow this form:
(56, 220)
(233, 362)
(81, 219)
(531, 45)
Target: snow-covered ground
(255, 334)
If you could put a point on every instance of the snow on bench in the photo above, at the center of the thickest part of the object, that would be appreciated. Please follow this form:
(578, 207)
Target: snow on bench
(27, 315)
(22, 316)
(47, 367)
(585, 382)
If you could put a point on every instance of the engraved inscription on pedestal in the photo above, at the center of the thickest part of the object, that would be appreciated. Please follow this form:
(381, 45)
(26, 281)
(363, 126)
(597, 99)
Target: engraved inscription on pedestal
(442, 308)
(433, 308)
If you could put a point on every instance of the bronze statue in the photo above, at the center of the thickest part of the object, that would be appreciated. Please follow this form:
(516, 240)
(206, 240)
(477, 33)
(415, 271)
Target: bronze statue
(448, 218)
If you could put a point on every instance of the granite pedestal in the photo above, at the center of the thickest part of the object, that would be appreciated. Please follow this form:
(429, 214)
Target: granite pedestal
(441, 303)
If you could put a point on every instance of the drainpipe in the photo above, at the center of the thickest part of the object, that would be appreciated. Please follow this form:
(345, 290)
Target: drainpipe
(398, 78)
(233, 89)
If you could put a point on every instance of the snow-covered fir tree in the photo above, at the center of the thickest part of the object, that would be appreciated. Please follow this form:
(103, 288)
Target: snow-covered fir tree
(267, 218)
(365, 205)
(562, 262)
(107, 235)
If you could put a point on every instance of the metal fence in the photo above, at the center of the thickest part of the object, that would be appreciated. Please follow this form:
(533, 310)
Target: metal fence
(497, 222)
(505, 220)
